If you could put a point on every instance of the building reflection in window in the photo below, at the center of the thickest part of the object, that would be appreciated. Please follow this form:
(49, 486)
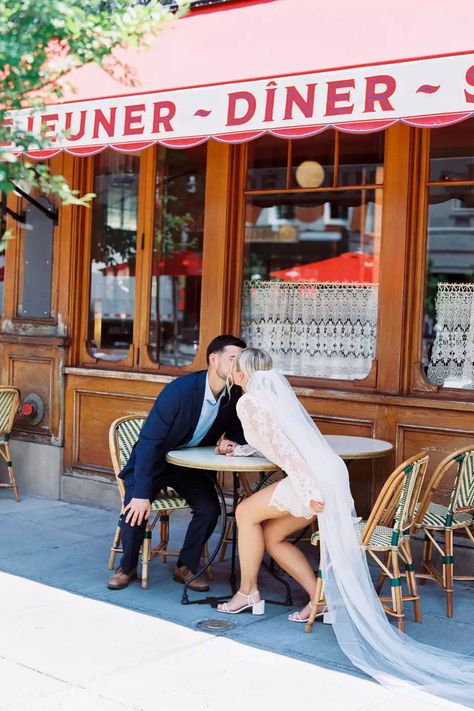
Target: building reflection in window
(448, 321)
(311, 255)
(113, 255)
(177, 256)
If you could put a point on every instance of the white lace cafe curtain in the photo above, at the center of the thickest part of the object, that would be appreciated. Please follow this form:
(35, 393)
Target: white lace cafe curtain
(452, 357)
(323, 330)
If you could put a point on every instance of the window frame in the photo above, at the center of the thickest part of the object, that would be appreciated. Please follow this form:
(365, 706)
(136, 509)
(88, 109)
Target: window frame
(386, 371)
(417, 382)
(14, 265)
(213, 274)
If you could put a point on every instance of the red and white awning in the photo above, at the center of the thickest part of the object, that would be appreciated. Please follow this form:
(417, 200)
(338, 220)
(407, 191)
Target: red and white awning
(292, 69)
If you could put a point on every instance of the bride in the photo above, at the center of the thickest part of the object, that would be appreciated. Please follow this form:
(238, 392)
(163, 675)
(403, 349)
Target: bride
(317, 483)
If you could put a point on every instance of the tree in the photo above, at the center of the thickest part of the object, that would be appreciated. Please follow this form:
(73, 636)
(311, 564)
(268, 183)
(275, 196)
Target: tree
(40, 42)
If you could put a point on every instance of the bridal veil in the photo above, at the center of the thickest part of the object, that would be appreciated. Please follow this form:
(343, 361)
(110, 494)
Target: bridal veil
(360, 624)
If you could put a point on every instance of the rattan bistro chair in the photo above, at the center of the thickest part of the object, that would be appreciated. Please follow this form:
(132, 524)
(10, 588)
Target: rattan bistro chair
(123, 434)
(387, 532)
(9, 403)
(457, 516)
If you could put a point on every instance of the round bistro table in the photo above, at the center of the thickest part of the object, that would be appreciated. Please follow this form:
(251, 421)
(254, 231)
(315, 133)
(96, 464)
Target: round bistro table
(206, 459)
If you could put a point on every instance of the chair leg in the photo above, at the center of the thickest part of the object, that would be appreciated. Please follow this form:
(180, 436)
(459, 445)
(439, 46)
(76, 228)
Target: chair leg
(11, 473)
(411, 579)
(427, 553)
(205, 556)
(146, 547)
(316, 600)
(227, 538)
(448, 570)
(164, 534)
(397, 599)
(115, 545)
(381, 580)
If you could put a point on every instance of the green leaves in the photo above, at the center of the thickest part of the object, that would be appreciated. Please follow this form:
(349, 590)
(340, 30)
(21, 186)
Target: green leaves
(40, 42)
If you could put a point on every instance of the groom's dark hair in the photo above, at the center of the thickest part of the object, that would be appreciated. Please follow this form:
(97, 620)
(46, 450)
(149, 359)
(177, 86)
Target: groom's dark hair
(218, 344)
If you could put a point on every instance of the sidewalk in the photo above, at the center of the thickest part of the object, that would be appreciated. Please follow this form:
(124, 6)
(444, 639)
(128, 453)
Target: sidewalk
(60, 650)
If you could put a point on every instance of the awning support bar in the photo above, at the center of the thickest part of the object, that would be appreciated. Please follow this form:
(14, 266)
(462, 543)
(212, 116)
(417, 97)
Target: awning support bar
(52, 214)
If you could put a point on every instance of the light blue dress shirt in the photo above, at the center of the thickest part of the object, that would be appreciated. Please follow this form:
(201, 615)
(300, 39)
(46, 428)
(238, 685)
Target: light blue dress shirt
(210, 408)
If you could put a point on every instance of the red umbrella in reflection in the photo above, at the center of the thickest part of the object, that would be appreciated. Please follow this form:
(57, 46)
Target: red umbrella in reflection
(182, 264)
(347, 267)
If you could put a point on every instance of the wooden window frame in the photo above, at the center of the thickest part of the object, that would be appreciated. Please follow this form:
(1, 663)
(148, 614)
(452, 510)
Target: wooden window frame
(14, 264)
(416, 381)
(386, 372)
(213, 272)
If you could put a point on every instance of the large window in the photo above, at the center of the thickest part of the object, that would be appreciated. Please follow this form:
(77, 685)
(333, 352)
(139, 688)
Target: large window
(448, 323)
(313, 222)
(175, 304)
(145, 261)
(113, 255)
(36, 273)
(3, 227)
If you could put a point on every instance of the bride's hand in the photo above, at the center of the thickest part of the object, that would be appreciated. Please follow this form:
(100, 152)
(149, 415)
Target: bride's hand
(316, 507)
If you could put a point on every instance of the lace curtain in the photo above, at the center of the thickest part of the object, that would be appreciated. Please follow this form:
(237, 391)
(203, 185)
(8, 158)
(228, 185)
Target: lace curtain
(323, 330)
(452, 357)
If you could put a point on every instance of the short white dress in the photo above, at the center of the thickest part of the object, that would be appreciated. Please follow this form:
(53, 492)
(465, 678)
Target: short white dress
(265, 437)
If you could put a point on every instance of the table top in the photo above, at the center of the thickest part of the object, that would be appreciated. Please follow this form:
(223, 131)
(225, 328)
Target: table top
(205, 457)
(348, 447)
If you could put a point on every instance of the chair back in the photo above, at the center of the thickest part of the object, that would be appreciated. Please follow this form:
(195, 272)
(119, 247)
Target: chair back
(396, 503)
(123, 434)
(462, 496)
(9, 403)
(462, 492)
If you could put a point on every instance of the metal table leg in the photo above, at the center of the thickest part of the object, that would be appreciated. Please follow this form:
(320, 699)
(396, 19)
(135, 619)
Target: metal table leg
(235, 501)
(208, 600)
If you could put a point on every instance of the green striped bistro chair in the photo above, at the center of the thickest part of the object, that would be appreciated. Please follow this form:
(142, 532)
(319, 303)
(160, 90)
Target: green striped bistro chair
(458, 515)
(386, 538)
(9, 403)
(123, 434)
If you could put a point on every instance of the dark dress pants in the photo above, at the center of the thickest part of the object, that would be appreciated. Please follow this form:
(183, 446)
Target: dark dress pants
(198, 490)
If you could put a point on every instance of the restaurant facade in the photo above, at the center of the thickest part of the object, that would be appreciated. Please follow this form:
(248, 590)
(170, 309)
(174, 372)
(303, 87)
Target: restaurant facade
(314, 196)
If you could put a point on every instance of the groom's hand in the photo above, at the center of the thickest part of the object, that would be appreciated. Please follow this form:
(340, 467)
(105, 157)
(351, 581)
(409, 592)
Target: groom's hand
(225, 446)
(138, 511)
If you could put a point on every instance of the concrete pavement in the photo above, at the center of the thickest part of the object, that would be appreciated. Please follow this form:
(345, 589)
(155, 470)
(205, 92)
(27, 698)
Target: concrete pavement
(64, 652)
(68, 643)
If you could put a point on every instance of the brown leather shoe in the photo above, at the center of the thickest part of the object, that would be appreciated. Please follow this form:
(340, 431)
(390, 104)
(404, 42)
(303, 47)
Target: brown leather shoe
(120, 580)
(183, 574)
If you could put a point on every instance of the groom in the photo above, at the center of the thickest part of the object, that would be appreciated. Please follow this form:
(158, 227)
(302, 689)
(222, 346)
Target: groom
(194, 410)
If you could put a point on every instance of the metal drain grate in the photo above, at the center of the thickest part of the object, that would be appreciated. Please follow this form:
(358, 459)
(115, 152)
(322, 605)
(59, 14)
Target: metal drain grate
(213, 625)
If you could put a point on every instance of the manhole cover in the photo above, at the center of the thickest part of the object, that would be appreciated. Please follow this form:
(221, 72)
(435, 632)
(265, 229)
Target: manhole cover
(215, 625)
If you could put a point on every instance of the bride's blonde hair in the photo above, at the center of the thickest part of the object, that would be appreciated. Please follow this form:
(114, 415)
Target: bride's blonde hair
(248, 361)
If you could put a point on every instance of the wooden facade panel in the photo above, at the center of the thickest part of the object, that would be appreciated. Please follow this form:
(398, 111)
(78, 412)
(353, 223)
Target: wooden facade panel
(438, 443)
(35, 370)
(92, 404)
(94, 412)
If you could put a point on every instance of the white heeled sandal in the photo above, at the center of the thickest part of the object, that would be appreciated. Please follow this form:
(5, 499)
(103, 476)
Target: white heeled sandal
(325, 614)
(258, 606)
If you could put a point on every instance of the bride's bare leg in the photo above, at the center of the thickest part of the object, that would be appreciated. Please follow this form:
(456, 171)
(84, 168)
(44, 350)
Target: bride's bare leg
(287, 555)
(250, 515)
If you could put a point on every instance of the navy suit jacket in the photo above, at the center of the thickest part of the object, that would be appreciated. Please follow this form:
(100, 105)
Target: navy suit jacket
(171, 423)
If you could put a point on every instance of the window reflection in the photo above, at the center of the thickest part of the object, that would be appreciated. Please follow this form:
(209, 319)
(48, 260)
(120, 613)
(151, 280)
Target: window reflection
(452, 152)
(312, 161)
(37, 258)
(448, 320)
(448, 324)
(113, 255)
(311, 264)
(3, 227)
(177, 256)
(360, 159)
